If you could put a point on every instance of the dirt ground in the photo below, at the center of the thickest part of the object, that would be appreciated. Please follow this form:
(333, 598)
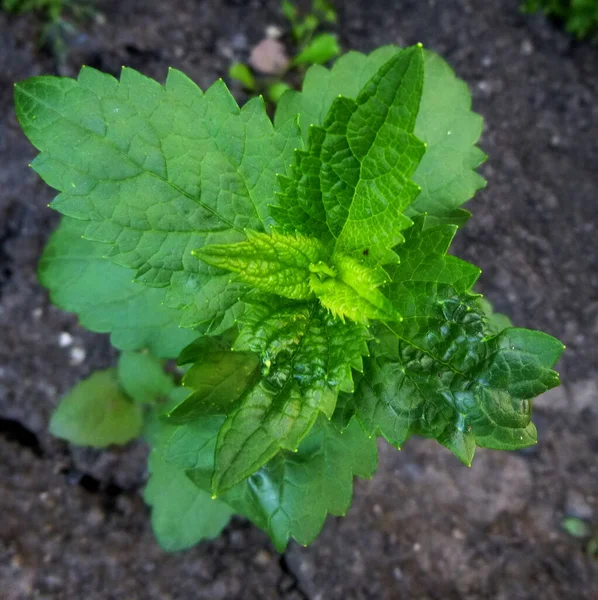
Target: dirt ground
(72, 523)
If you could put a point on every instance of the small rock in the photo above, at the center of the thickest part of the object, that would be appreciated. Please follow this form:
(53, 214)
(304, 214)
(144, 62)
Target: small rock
(273, 32)
(527, 48)
(78, 355)
(95, 517)
(262, 558)
(576, 505)
(269, 57)
(65, 339)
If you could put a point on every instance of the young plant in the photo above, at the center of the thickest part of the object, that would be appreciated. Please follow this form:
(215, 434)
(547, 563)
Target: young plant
(298, 269)
(57, 29)
(579, 16)
(310, 49)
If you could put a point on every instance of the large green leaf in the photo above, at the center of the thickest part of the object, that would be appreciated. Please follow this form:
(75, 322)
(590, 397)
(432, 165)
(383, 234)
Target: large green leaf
(445, 122)
(182, 514)
(97, 413)
(104, 295)
(354, 178)
(440, 372)
(307, 357)
(291, 495)
(142, 377)
(156, 171)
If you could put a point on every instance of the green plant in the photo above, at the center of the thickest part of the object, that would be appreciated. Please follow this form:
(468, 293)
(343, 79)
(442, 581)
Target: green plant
(310, 48)
(56, 29)
(580, 16)
(299, 271)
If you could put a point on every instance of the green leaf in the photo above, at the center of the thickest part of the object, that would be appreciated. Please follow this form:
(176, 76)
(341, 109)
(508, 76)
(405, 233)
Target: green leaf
(321, 49)
(243, 74)
(289, 10)
(182, 514)
(496, 321)
(157, 171)
(217, 305)
(273, 263)
(446, 173)
(439, 372)
(104, 295)
(353, 182)
(307, 357)
(445, 122)
(142, 377)
(276, 90)
(97, 413)
(291, 495)
(350, 289)
(219, 379)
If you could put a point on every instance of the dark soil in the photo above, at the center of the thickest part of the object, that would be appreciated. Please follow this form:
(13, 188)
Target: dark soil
(72, 524)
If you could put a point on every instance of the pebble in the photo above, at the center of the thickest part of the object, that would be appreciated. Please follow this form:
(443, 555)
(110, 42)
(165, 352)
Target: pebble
(65, 339)
(262, 558)
(577, 506)
(78, 355)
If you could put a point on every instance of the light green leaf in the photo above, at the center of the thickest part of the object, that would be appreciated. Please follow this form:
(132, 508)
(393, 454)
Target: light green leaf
(445, 122)
(97, 413)
(155, 171)
(243, 74)
(219, 379)
(354, 178)
(182, 514)
(321, 49)
(307, 357)
(350, 289)
(273, 263)
(446, 173)
(276, 90)
(142, 377)
(104, 295)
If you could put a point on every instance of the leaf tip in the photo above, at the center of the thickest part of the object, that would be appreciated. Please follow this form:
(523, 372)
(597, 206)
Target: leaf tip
(214, 496)
(419, 45)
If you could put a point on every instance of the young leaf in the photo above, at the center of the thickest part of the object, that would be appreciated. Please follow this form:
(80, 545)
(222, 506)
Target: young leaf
(182, 514)
(105, 297)
(354, 177)
(97, 413)
(142, 377)
(243, 74)
(350, 290)
(291, 495)
(219, 379)
(321, 49)
(276, 90)
(307, 357)
(156, 171)
(273, 263)
(445, 122)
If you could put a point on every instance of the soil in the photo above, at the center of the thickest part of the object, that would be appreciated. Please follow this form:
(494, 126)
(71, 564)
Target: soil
(72, 521)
